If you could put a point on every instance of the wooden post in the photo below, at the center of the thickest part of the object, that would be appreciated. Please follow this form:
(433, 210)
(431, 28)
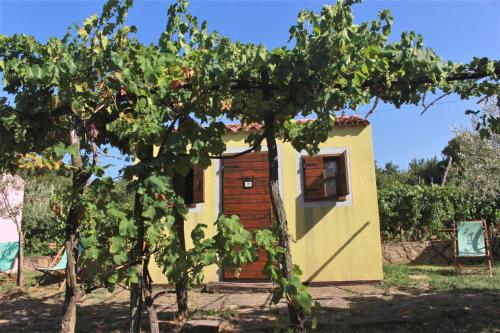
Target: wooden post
(455, 247)
(20, 257)
(489, 254)
(446, 171)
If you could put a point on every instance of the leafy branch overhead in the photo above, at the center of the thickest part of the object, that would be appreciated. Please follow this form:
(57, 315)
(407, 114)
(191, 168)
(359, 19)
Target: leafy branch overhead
(104, 75)
(329, 64)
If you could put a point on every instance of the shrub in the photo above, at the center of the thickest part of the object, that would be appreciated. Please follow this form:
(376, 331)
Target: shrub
(413, 213)
(40, 225)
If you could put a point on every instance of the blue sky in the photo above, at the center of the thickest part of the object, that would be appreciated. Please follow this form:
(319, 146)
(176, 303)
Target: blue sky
(456, 30)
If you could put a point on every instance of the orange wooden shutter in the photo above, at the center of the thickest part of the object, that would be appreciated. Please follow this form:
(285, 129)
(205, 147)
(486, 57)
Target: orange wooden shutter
(314, 184)
(343, 176)
(198, 185)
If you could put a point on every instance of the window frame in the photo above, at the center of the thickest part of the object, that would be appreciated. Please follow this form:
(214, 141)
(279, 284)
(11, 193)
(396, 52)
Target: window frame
(195, 173)
(338, 179)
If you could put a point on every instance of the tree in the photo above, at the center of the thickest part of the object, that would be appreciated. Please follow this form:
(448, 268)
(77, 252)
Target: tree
(11, 207)
(426, 171)
(389, 176)
(58, 99)
(96, 86)
(415, 211)
(476, 160)
(330, 64)
(41, 224)
(412, 210)
(142, 124)
(420, 171)
(152, 125)
(476, 168)
(486, 121)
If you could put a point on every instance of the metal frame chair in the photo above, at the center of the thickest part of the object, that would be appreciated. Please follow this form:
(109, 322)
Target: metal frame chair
(56, 268)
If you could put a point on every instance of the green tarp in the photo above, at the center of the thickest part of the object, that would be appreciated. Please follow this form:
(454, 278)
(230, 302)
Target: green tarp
(63, 261)
(8, 253)
(61, 265)
(470, 237)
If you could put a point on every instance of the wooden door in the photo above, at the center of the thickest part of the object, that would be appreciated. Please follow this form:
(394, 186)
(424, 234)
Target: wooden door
(245, 184)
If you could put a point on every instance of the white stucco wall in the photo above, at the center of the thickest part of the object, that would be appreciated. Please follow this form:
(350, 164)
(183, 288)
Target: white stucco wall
(11, 203)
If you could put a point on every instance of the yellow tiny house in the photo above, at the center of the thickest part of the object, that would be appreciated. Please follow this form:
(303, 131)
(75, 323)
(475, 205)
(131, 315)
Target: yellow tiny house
(330, 200)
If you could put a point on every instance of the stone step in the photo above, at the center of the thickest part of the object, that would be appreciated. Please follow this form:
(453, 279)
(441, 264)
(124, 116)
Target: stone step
(201, 326)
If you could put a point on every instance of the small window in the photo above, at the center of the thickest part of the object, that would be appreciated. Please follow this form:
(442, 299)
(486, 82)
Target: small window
(330, 168)
(194, 185)
(325, 177)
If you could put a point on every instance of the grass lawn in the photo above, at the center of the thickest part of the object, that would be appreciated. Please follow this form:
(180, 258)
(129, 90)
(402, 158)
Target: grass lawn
(30, 279)
(436, 278)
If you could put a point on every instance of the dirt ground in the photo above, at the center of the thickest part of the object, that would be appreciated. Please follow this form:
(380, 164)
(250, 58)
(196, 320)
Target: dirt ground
(355, 308)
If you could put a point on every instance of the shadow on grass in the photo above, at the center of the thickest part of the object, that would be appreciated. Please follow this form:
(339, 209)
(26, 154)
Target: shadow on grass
(466, 311)
(436, 312)
(441, 312)
(21, 312)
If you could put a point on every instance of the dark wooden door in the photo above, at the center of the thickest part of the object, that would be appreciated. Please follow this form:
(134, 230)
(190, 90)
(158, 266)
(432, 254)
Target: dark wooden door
(245, 183)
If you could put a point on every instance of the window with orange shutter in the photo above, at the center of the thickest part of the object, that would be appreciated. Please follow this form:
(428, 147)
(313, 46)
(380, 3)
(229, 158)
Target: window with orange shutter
(194, 182)
(198, 185)
(325, 177)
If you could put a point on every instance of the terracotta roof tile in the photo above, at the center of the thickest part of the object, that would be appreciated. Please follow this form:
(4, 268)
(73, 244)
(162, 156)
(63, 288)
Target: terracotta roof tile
(235, 128)
(339, 121)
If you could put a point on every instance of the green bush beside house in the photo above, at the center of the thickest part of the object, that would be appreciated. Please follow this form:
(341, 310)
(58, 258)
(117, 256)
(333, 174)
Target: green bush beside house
(415, 212)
